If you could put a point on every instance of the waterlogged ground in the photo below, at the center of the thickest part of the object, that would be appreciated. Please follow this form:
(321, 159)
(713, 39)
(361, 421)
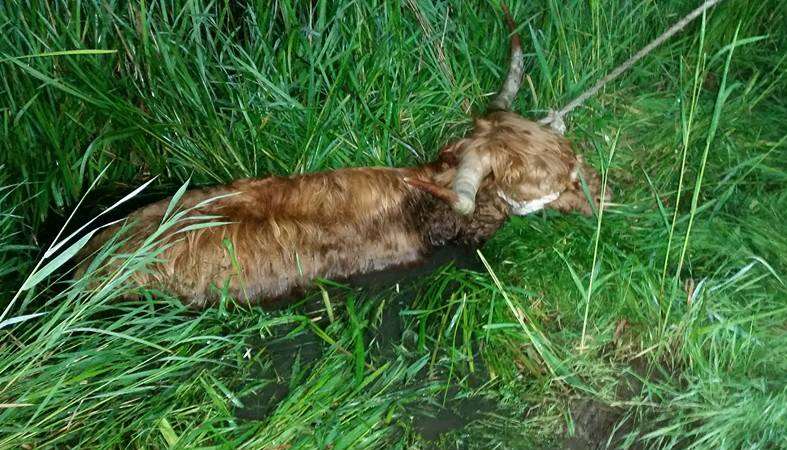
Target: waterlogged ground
(658, 324)
(449, 418)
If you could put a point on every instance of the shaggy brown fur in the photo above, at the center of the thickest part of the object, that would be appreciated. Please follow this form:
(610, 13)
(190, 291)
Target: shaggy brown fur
(287, 232)
(529, 161)
(284, 233)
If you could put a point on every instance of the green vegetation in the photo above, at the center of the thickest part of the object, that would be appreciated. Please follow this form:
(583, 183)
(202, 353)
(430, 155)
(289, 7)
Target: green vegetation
(684, 274)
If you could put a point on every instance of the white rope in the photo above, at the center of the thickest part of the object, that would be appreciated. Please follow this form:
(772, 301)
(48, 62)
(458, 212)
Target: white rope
(555, 118)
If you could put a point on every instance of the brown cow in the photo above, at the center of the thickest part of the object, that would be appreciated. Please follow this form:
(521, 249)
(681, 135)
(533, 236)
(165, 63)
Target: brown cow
(287, 232)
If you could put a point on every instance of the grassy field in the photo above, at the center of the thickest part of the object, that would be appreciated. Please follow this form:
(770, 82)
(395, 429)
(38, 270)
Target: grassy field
(666, 315)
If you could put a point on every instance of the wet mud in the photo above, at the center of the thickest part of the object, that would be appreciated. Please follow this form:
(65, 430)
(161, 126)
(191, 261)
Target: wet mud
(431, 418)
(598, 425)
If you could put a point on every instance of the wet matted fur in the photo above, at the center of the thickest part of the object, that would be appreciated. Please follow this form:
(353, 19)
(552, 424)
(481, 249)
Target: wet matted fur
(286, 232)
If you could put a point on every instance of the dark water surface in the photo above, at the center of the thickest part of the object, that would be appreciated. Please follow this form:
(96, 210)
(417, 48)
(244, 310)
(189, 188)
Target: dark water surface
(431, 417)
(596, 425)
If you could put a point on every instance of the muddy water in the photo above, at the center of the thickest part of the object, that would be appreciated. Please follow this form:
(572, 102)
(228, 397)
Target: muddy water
(596, 425)
(431, 418)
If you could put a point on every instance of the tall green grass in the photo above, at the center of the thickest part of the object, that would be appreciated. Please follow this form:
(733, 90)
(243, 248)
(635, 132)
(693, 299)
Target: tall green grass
(685, 270)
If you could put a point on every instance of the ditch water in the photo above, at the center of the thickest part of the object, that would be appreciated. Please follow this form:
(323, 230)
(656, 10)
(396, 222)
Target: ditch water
(596, 425)
(431, 418)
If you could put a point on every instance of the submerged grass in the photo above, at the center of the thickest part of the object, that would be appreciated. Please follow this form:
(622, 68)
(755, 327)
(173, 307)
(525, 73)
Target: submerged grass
(685, 270)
